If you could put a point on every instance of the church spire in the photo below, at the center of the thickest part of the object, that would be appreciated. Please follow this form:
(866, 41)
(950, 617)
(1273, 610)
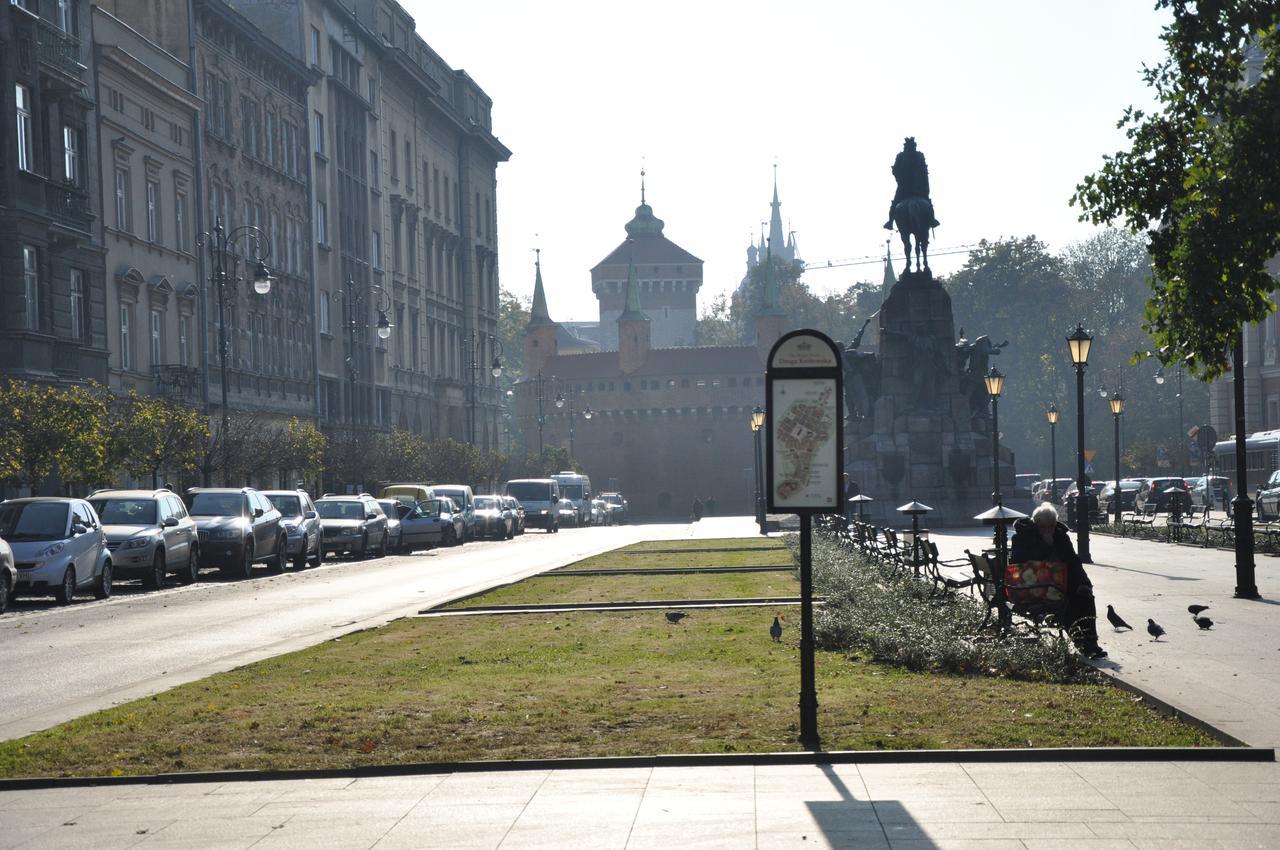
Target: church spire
(769, 305)
(642, 187)
(776, 236)
(890, 277)
(538, 314)
(632, 311)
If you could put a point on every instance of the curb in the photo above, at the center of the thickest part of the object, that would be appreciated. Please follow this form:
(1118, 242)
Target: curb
(646, 605)
(1027, 756)
(1168, 709)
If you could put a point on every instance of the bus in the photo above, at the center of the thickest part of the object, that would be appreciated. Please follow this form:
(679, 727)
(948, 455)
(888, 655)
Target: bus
(576, 488)
(1261, 458)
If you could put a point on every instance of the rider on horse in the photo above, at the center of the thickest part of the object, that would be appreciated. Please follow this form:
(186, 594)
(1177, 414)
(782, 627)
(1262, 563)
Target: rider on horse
(912, 174)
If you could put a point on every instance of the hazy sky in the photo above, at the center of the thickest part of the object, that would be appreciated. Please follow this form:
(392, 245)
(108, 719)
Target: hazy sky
(1011, 102)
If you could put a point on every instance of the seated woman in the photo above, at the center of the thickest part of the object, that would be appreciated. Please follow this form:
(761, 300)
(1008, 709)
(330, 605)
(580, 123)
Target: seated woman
(1042, 538)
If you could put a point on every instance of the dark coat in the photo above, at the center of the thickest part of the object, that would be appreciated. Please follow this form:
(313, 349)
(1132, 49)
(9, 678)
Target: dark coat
(1028, 545)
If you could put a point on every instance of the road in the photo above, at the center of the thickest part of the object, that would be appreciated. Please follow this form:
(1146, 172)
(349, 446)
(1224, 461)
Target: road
(60, 663)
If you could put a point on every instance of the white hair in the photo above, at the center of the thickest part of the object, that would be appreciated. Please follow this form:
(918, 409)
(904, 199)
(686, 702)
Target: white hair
(1045, 515)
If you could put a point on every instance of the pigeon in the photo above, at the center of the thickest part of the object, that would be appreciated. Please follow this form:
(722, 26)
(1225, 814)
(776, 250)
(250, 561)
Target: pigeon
(1204, 623)
(775, 631)
(1116, 621)
(1197, 609)
(1154, 629)
(675, 616)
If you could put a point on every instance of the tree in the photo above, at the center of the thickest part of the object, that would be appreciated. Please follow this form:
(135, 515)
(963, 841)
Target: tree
(1201, 180)
(150, 434)
(513, 318)
(720, 323)
(49, 432)
(304, 449)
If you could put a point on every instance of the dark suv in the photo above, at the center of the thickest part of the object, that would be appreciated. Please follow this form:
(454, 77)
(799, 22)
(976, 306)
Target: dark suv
(238, 528)
(1154, 494)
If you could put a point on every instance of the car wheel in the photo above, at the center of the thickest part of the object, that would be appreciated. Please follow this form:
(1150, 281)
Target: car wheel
(192, 573)
(102, 584)
(67, 590)
(382, 550)
(155, 578)
(300, 562)
(246, 565)
(511, 531)
(276, 561)
(364, 546)
(446, 537)
(6, 588)
(318, 558)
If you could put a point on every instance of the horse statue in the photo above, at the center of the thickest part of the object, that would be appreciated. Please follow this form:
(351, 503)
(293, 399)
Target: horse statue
(913, 217)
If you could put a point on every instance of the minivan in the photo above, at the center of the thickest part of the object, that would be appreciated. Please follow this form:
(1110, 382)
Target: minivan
(540, 498)
(466, 501)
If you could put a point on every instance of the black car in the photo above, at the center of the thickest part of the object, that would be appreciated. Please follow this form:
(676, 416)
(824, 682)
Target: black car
(1154, 494)
(1128, 492)
(352, 525)
(238, 527)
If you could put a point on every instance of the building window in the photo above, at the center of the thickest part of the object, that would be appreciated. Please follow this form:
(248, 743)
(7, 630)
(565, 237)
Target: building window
(153, 211)
(156, 350)
(394, 158)
(271, 142)
(71, 155)
(315, 47)
(250, 134)
(31, 287)
(324, 313)
(126, 344)
(408, 165)
(181, 240)
(66, 20)
(322, 223)
(373, 91)
(123, 219)
(77, 305)
(26, 148)
(184, 340)
(377, 250)
(373, 169)
(318, 132)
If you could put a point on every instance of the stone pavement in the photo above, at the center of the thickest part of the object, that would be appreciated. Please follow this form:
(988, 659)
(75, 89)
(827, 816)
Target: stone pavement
(1164, 805)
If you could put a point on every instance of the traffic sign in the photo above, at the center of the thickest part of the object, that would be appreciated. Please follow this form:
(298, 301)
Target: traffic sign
(1088, 467)
(1089, 455)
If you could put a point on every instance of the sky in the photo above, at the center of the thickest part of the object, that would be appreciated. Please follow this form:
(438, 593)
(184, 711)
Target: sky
(1011, 102)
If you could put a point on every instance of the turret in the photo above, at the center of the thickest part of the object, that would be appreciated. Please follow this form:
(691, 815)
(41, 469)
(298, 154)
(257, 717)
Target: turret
(540, 333)
(633, 328)
(770, 318)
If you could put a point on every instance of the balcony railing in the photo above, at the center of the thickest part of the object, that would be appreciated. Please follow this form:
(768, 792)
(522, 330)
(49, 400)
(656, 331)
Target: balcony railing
(68, 205)
(59, 51)
(181, 383)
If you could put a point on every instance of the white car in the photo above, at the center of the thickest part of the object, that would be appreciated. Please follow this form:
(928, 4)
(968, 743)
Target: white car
(58, 545)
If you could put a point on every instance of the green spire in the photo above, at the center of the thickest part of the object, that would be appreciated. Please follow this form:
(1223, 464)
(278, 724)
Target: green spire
(890, 277)
(539, 315)
(769, 303)
(632, 312)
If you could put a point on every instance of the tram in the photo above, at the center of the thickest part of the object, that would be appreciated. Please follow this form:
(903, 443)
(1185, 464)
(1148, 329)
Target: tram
(1261, 458)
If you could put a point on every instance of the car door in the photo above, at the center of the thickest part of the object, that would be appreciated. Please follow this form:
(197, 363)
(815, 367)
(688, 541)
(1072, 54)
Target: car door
(170, 532)
(376, 522)
(263, 542)
(310, 524)
(84, 551)
(185, 531)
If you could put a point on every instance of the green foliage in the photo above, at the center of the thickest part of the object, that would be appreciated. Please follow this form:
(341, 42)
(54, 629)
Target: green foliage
(513, 317)
(1201, 180)
(149, 434)
(305, 446)
(720, 323)
(48, 431)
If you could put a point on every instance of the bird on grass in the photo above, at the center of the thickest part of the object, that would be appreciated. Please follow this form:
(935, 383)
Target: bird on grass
(1116, 621)
(1204, 623)
(1154, 629)
(775, 631)
(675, 616)
(1193, 610)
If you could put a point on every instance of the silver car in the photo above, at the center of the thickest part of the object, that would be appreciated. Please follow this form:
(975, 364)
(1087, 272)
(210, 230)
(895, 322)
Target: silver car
(8, 576)
(301, 521)
(393, 509)
(59, 547)
(149, 533)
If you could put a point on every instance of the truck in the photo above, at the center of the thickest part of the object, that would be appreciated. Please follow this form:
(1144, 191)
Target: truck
(576, 487)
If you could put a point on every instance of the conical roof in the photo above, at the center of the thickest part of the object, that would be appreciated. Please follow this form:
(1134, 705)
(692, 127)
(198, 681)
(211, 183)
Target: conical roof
(632, 312)
(538, 314)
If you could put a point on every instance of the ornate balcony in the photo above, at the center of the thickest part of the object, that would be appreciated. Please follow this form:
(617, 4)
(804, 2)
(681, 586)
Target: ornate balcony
(68, 205)
(179, 383)
(60, 53)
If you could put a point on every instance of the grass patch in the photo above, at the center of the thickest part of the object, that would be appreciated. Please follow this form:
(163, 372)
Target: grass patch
(587, 683)
(635, 588)
(628, 559)
(708, 544)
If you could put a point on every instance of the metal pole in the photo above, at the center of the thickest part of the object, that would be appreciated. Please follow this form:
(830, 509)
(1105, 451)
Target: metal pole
(915, 543)
(996, 498)
(1082, 480)
(757, 476)
(220, 258)
(1242, 505)
(571, 416)
(471, 425)
(1182, 431)
(350, 286)
(540, 417)
(1053, 462)
(1115, 493)
(808, 689)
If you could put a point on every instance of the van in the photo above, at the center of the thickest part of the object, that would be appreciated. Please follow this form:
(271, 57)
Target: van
(576, 487)
(539, 497)
(466, 501)
(407, 492)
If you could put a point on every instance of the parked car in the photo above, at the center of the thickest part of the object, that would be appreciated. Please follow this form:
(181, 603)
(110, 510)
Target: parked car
(493, 519)
(1051, 490)
(1153, 492)
(238, 528)
(1214, 491)
(410, 494)
(539, 498)
(517, 512)
(395, 534)
(1128, 491)
(465, 500)
(352, 525)
(301, 522)
(1024, 482)
(58, 547)
(567, 512)
(617, 507)
(1267, 497)
(425, 524)
(599, 512)
(8, 576)
(149, 534)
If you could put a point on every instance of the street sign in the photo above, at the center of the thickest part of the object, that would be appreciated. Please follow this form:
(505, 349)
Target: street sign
(1088, 467)
(1089, 455)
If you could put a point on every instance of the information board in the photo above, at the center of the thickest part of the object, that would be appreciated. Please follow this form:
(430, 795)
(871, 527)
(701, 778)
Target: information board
(804, 425)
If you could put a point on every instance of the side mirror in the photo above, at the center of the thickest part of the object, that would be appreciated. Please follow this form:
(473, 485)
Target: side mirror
(310, 515)
(78, 529)
(170, 522)
(257, 512)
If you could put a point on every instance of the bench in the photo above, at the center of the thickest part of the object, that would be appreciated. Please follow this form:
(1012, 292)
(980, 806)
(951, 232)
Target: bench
(1146, 516)
(934, 567)
(1038, 614)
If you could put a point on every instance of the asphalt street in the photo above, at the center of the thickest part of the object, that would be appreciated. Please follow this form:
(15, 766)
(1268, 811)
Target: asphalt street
(61, 663)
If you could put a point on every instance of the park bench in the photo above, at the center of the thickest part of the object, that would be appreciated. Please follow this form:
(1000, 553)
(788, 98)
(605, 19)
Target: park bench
(1037, 612)
(948, 575)
(1146, 516)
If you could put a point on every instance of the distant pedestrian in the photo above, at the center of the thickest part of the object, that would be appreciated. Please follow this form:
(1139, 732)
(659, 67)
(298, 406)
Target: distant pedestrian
(697, 509)
(711, 506)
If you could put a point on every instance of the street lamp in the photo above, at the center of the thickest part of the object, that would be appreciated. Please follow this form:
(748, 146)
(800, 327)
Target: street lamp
(1181, 443)
(995, 385)
(539, 383)
(475, 346)
(224, 249)
(1052, 416)
(1242, 505)
(354, 301)
(1079, 343)
(573, 413)
(915, 510)
(757, 425)
(1117, 408)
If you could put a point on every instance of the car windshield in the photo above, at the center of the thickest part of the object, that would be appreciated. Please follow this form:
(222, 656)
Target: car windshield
(530, 491)
(287, 505)
(1129, 485)
(571, 491)
(125, 511)
(33, 521)
(217, 504)
(486, 503)
(340, 510)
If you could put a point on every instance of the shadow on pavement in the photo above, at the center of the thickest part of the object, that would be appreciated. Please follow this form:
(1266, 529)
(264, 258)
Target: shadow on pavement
(851, 822)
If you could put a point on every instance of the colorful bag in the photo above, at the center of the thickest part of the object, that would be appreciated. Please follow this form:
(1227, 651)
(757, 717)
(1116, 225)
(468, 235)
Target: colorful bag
(1036, 581)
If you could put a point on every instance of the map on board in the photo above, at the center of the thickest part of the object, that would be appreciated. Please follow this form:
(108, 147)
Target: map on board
(805, 468)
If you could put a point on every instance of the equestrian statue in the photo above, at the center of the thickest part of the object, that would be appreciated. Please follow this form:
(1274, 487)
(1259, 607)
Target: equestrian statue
(911, 209)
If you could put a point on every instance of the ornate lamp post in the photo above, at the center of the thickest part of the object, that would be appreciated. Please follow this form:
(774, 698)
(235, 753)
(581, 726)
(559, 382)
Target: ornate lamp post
(1052, 415)
(1117, 408)
(915, 510)
(1078, 343)
(539, 383)
(757, 424)
(354, 300)
(475, 344)
(1242, 505)
(224, 250)
(561, 401)
(995, 385)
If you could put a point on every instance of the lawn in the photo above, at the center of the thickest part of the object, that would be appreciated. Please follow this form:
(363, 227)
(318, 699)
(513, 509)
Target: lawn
(670, 554)
(633, 588)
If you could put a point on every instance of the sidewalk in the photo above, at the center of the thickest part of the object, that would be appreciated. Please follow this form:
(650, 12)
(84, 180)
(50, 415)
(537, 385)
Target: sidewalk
(1163, 805)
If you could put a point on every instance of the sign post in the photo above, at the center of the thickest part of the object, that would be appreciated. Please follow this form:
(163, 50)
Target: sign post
(804, 447)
